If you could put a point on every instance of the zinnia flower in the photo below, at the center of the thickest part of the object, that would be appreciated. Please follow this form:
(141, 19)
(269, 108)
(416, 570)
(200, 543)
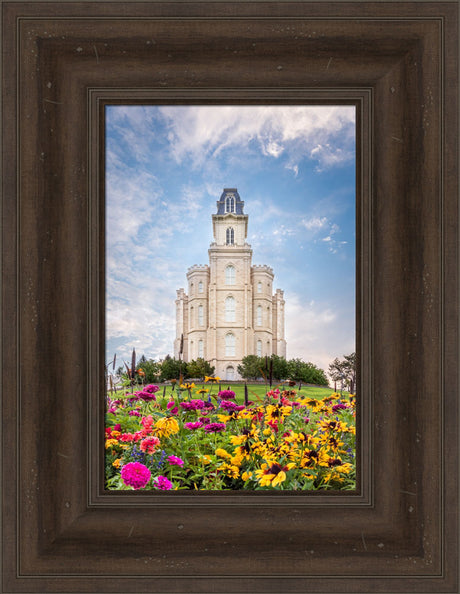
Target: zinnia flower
(175, 461)
(135, 474)
(167, 426)
(193, 426)
(146, 396)
(149, 444)
(171, 406)
(162, 483)
(151, 388)
(192, 405)
(226, 394)
(228, 405)
(339, 406)
(214, 427)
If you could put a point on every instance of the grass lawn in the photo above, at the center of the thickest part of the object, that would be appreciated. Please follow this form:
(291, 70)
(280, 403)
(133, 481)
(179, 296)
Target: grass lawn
(254, 390)
(260, 390)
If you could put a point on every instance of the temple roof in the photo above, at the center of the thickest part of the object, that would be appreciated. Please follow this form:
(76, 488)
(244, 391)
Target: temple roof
(225, 206)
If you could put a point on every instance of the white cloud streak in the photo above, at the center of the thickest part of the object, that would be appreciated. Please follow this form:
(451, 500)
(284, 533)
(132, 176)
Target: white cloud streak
(199, 134)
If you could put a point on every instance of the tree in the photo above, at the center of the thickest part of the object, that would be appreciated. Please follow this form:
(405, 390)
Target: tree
(306, 372)
(280, 369)
(344, 370)
(199, 368)
(151, 369)
(171, 368)
(251, 366)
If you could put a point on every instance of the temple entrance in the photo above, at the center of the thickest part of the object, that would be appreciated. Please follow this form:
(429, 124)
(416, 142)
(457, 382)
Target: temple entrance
(230, 373)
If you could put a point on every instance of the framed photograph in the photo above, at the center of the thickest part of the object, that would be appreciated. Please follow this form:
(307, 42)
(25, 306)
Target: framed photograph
(64, 66)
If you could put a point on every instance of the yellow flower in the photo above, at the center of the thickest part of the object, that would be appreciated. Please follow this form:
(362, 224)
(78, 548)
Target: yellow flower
(211, 379)
(116, 463)
(167, 426)
(237, 439)
(332, 397)
(267, 431)
(202, 391)
(276, 412)
(222, 453)
(243, 451)
(273, 475)
(110, 442)
(246, 476)
(332, 425)
(187, 386)
(115, 434)
(206, 459)
(237, 459)
(230, 470)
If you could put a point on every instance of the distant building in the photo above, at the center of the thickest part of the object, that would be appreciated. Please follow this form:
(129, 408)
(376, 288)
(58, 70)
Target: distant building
(230, 310)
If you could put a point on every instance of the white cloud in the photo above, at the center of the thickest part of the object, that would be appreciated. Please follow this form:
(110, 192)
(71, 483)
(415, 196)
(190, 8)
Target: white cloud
(316, 332)
(325, 133)
(314, 223)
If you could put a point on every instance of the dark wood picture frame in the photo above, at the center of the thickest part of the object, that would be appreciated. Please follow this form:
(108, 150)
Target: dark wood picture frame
(398, 62)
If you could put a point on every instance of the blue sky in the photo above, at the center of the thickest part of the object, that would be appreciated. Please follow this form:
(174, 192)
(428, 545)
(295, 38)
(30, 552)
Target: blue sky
(294, 167)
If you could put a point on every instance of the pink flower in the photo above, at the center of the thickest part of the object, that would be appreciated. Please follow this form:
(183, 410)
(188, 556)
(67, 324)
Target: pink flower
(151, 388)
(172, 408)
(193, 405)
(193, 426)
(162, 483)
(127, 437)
(175, 461)
(229, 405)
(149, 444)
(135, 475)
(145, 395)
(226, 394)
(214, 427)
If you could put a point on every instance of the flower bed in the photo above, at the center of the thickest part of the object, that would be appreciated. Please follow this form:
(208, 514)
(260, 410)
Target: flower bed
(194, 439)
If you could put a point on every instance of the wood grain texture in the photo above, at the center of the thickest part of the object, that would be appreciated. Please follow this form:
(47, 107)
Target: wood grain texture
(398, 63)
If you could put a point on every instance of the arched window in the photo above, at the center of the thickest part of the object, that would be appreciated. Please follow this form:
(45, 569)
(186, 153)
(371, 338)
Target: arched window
(230, 236)
(259, 348)
(200, 349)
(191, 320)
(230, 275)
(259, 315)
(200, 316)
(229, 345)
(191, 350)
(230, 204)
(259, 287)
(200, 287)
(230, 373)
(230, 309)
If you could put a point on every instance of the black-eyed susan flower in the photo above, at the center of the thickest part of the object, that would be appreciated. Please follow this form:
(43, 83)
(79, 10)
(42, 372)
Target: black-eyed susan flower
(230, 470)
(271, 475)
